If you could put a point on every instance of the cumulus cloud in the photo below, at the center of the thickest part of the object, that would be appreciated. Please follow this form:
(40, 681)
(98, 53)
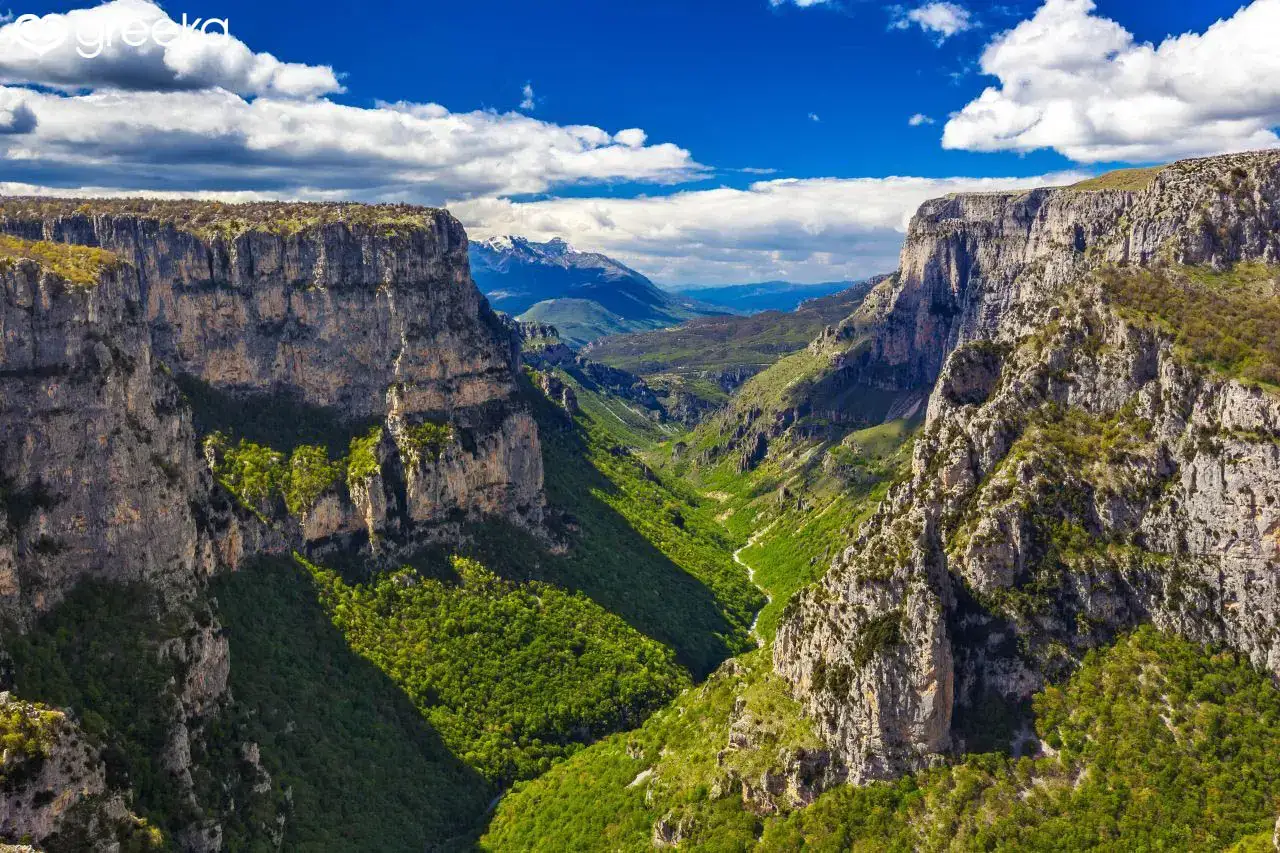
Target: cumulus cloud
(527, 103)
(820, 229)
(919, 119)
(1078, 83)
(815, 117)
(941, 20)
(134, 44)
(215, 140)
(803, 4)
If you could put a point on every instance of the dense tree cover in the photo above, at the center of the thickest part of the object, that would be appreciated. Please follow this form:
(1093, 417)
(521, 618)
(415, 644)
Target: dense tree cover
(676, 765)
(1224, 320)
(260, 476)
(670, 576)
(511, 675)
(1153, 744)
(363, 768)
(97, 653)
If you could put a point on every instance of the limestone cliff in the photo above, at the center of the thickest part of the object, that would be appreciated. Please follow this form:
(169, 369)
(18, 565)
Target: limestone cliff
(368, 314)
(120, 321)
(1083, 468)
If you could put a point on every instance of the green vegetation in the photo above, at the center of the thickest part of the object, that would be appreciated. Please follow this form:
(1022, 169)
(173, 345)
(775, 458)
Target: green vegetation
(309, 476)
(27, 734)
(510, 675)
(796, 513)
(1156, 744)
(717, 344)
(609, 796)
(259, 477)
(364, 769)
(1153, 744)
(82, 266)
(98, 653)
(362, 459)
(426, 440)
(668, 574)
(1131, 180)
(1225, 321)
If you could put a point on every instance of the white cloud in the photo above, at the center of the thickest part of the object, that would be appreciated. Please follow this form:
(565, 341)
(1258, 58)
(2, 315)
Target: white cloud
(528, 102)
(1076, 82)
(814, 117)
(942, 20)
(819, 229)
(216, 140)
(803, 4)
(919, 119)
(95, 48)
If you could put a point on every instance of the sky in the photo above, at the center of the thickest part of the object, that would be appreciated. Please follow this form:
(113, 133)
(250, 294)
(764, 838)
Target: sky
(699, 141)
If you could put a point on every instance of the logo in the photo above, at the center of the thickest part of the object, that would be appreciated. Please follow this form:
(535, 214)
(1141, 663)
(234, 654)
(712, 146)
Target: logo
(39, 35)
(94, 34)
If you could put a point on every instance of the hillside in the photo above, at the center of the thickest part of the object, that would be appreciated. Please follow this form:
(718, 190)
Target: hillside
(304, 547)
(328, 569)
(762, 296)
(697, 365)
(584, 294)
(1054, 626)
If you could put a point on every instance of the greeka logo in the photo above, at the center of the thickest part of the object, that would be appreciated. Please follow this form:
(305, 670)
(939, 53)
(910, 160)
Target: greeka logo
(42, 35)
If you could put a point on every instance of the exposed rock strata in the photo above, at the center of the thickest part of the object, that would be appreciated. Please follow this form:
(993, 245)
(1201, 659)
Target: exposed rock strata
(371, 322)
(1075, 476)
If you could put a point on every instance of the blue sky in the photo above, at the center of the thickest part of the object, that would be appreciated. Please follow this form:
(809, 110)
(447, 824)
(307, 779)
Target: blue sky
(699, 140)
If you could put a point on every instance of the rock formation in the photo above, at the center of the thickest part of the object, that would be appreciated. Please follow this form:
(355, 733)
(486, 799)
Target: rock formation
(107, 309)
(1078, 472)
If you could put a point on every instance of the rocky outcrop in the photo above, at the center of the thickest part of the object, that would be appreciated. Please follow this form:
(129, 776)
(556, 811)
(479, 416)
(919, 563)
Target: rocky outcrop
(1077, 474)
(366, 314)
(54, 784)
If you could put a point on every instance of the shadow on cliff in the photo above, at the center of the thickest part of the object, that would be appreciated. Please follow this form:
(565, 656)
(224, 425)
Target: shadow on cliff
(608, 559)
(365, 771)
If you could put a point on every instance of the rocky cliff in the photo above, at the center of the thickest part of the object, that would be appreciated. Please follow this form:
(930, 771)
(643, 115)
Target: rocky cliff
(367, 315)
(1091, 460)
(127, 328)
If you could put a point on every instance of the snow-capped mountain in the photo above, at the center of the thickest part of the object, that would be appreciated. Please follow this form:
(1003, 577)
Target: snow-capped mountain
(586, 294)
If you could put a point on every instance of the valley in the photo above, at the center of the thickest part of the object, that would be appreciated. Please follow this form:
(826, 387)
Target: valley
(308, 545)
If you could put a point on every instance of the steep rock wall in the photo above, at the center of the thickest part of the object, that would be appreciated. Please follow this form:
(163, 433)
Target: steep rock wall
(373, 320)
(1076, 475)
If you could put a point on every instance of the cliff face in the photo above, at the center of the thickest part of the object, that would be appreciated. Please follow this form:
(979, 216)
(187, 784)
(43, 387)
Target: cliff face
(372, 321)
(106, 309)
(1078, 473)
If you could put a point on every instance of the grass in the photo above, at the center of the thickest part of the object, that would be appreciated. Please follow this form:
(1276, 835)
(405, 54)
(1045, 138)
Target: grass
(1130, 180)
(792, 542)
(82, 266)
(1225, 321)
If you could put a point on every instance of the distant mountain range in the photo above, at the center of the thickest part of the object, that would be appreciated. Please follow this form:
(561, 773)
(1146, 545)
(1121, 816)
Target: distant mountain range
(586, 295)
(761, 296)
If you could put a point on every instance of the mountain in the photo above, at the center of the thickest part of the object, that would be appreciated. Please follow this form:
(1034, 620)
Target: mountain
(584, 294)
(293, 554)
(1054, 624)
(697, 365)
(762, 296)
